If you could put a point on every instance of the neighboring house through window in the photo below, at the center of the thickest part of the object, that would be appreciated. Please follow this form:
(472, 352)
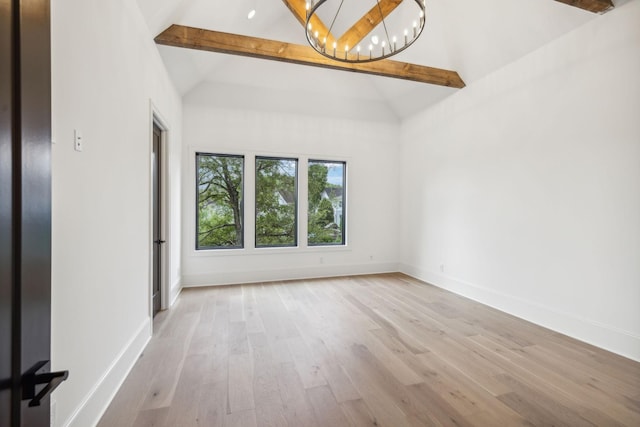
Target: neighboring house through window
(326, 225)
(276, 202)
(220, 202)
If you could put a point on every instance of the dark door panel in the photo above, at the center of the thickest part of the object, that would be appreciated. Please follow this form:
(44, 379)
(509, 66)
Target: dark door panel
(25, 214)
(6, 206)
(35, 197)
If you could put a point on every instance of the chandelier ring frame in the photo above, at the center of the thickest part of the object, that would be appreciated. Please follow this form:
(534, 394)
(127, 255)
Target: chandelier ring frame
(362, 57)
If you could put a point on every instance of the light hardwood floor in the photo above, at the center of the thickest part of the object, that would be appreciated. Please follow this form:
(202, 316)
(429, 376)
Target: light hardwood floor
(383, 350)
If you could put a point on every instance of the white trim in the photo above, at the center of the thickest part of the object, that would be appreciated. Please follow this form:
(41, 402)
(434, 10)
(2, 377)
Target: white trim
(269, 251)
(176, 288)
(96, 402)
(600, 335)
(156, 118)
(236, 277)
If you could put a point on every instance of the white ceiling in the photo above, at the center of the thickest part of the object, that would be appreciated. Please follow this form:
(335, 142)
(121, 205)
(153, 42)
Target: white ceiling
(473, 38)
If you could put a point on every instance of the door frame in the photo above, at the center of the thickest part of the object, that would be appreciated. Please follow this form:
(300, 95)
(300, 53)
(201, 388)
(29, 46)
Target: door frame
(155, 117)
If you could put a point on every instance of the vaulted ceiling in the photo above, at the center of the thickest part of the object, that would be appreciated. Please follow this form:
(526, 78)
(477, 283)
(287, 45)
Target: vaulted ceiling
(471, 37)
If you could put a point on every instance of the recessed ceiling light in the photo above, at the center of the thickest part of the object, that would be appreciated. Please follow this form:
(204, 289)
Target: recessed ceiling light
(375, 39)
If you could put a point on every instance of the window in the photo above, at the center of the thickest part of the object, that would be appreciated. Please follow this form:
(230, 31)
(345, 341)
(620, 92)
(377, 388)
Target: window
(276, 202)
(219, 203)
(326, 203)
(220, 196)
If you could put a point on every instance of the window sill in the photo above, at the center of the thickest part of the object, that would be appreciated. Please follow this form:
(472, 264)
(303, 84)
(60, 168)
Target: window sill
(269, 251)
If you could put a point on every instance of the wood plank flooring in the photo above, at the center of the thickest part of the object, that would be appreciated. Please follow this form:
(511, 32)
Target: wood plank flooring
(380, 350)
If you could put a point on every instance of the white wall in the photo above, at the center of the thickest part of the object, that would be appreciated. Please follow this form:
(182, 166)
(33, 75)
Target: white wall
(522, 191)
(372, 186)
(105, 73)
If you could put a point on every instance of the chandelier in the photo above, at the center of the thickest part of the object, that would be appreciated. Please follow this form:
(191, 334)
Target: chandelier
(378, 34)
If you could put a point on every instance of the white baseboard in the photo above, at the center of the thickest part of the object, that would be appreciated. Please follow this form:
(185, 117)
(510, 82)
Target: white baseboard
(176, 288)
(600, 335)
(91, 409)
(235, 277)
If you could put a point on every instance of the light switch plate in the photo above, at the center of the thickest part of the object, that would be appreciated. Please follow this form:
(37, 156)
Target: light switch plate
(77, 140)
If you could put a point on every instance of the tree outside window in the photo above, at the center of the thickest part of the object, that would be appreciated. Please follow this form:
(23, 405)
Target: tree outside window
(219, 216)
(326, 224)
(276, 202)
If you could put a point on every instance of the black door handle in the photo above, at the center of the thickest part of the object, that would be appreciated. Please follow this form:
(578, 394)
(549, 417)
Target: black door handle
(159, 241)
(31, 379)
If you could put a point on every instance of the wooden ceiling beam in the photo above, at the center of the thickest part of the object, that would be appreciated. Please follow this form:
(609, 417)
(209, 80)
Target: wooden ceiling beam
(596, 6)
(368, 22)
(233, 44)
(299, 9)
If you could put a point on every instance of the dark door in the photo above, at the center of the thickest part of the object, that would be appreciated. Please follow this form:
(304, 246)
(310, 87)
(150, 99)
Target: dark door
(6, 209)
(25, 214)
(157, 218)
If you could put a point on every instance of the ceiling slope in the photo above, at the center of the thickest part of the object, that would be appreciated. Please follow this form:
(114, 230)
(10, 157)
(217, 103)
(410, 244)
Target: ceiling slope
(472, 38)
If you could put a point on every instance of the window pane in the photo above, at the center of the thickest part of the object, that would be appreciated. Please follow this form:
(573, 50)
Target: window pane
(219, 201)
(326, 203)
(276, 202)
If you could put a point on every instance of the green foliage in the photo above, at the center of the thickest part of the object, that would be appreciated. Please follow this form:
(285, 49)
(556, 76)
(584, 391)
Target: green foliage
(325, 212)
(219, 201)
(276, 202)
(321, 226)
(317, 183)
